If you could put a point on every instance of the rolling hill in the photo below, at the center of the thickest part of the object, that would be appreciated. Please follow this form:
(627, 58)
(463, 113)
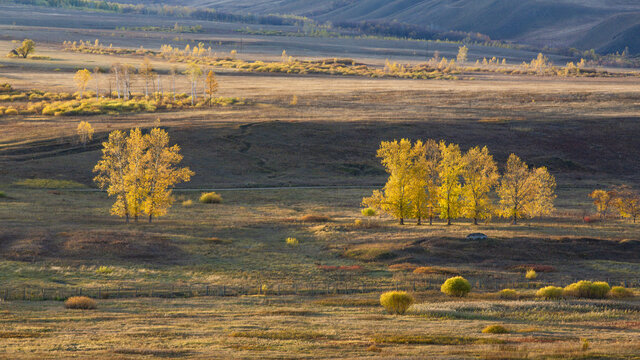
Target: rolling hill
(605, 25)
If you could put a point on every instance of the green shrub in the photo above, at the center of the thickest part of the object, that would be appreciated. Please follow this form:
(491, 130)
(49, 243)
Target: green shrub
(619, 292)
(531, 274)
(80, 302)
(550, 292)
(508, 294)
(369, 212)
(495, 329)
(396, 302)
(2, 195)
(210, 198)
(456, 286)
(587, 289)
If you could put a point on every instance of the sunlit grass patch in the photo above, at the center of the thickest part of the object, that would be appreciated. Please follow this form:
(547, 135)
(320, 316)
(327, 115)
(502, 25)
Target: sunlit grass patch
(281, 334)
(50, 184)
(347, 302)
(433, 340)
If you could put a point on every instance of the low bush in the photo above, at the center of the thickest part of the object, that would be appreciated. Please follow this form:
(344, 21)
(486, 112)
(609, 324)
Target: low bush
(456, 286)
(314, 218)
(187, 203)
(508, 294)
(210, 198)
(495, 329)
(2, 195)
(104, 270)
(587, 289)
(369, 212)
(435, 270)
(396, 302)
(531, 274)
(550, 292)
(10, 111)
(80, 302)
(619, 292)
(292, 241)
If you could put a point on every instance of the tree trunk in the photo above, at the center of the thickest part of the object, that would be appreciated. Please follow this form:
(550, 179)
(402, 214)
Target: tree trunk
(475, 221)
(448, 221)
(430, 220)
(150, 217)
(401, 221)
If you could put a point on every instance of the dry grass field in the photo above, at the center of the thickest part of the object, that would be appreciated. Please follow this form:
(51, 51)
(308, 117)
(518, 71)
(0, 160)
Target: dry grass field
(282, 168)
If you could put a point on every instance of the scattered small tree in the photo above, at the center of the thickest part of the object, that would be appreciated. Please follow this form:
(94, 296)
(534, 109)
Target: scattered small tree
(212, 85)
(193, 72)
(603, 200)
(82, 78)
(96, 72)
(28, 47)
(627, 202)
(85, 132)
(463, 52)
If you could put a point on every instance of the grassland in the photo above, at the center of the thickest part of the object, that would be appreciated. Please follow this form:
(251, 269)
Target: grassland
(282, 168)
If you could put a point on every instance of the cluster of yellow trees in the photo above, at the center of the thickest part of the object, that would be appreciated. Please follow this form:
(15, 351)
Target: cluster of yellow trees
(428, 179)
(140, 170)
(622, 199)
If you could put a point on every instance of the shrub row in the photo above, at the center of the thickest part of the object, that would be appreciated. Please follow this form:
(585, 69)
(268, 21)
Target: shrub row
(585, 290)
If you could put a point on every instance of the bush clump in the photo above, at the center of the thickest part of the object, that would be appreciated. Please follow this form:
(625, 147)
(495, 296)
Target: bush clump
(369, 211)
(292, 241)
(550, 292)
(396, 302)
(508, 294)
(80, 302)
(531, 274)
(104, 270)
(210, 198)
(495, 329)
(619, 292)
(187, 203)
(11, 111)
(587, 289)
(456, 286)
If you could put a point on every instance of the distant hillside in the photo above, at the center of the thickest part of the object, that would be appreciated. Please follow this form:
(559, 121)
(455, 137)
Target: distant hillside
(606, 25)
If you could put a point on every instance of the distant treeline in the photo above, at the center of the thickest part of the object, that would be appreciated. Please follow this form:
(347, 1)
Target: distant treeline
(165, 10)
(409, 31)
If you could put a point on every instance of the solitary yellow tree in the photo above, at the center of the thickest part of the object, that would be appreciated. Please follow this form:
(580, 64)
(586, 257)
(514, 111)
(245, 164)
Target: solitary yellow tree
(603, 200)
(82, 78)
(524, 192)
(28, 46)
(193, 72)
(450, 190)
(212, 85)
(480, 175)
(85, 132)
(112, 169)
(161, 173)
(399, 159)
(627, 202)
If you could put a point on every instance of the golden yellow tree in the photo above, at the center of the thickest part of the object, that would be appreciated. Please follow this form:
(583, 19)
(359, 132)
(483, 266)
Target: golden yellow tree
(160, 173)
(424, 182)
(111, 172)
(463, 52)
(480, 175)
(212, 85)
(449, 173)
(28, 46)
(82, 78)
(134, 176)
(85, 132)
(627, 202)
(603, 200)
(193, 72)
(524, 192)
(399, 159)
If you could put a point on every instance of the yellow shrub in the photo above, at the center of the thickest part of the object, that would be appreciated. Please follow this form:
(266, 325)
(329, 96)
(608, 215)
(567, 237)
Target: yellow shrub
(292, 241)
(210, 198)
(104, 270)
(495, 329)
(508, 294)
(619, 292)
(550, 292)
(396, 302)
(588, 289)
(369, 212)
(80, 302)
(187, 203)
(11, 111)
(456, 286)
(531, 274)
